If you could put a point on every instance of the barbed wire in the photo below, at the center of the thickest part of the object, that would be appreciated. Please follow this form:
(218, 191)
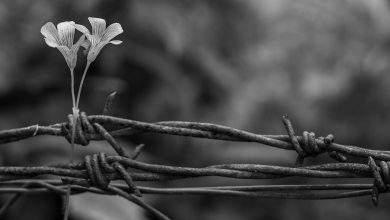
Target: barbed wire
(96, 173)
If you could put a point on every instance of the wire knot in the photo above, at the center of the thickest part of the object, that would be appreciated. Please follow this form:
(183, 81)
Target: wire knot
(99, 170)
(308, 145)
(83, 128)
(381, 176)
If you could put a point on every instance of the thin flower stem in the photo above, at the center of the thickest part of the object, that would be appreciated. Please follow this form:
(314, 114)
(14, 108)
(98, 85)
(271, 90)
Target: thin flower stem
(75, 117)
(74, 121)
(66, 203)
(81, 83)
(72, 87)
(75, 112)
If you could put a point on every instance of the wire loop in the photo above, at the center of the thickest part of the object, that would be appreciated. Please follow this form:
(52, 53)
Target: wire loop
(98, 172)
(83, 129)
(381, 178)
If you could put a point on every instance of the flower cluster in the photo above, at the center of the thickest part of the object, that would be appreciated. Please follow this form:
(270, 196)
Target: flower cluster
(62, 38)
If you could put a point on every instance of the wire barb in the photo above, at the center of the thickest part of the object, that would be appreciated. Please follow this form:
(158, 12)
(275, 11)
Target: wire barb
(109, 103)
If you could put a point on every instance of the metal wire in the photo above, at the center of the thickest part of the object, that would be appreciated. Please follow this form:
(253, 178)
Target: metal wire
(96, 173)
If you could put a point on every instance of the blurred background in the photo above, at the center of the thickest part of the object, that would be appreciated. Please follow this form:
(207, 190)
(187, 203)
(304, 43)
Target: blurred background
(238, 63)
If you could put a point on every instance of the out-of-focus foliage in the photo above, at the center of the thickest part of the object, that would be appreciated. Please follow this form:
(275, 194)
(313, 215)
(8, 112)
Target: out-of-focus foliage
(239, 63)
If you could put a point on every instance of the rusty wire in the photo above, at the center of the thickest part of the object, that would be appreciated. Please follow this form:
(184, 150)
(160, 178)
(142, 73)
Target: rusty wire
(96, 173)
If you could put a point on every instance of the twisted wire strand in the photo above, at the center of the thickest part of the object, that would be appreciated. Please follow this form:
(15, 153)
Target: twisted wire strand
(242, 171)
(96, 173)
(259, 191)
(193, 129)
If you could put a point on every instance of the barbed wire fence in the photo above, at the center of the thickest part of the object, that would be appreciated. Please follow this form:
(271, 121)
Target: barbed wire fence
(97, 171)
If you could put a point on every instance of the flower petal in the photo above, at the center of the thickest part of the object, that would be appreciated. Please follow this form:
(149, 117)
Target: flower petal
(83, 43)
(82, 29)
(98, 25)
(50, 33)
(77, 45)
(64, 50)
(95, 50)
(87, 45)
(66, 33)
(86, 32)
(116, 42)
(68, 55)
(112, 31)
(51, 42)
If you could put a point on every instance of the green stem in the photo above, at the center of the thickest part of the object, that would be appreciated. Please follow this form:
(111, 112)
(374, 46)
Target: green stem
(82, 83)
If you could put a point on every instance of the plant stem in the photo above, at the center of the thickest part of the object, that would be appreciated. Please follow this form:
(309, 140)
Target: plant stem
(75, 112)
(81, 83)
(75, 117)
(72, 87)
(66, 202)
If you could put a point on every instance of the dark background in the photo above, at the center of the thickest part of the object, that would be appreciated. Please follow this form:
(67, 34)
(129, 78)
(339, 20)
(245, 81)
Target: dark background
(238, 63)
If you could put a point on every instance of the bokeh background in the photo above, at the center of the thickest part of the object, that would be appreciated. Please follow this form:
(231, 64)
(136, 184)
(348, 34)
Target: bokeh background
(238, 63)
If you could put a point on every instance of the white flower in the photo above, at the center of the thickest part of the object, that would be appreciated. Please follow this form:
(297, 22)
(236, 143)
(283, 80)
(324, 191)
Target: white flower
(62, 39)
(100, 36)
